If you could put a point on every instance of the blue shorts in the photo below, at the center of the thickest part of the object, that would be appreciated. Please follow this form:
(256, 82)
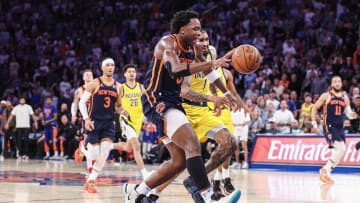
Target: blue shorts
(333, 134)
(103, 130)
(156, 112)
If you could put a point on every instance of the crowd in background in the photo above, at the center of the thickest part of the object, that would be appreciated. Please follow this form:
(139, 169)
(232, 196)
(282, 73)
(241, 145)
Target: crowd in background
(46, 45)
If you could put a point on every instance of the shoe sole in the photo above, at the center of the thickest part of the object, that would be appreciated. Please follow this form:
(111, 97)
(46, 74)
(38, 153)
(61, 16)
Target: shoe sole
(236, 196)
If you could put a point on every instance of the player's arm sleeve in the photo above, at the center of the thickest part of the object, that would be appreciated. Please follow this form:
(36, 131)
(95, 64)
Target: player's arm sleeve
(73, 109)
(82, 104)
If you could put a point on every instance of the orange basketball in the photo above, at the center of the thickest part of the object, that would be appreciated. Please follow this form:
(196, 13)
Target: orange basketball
(246, 59)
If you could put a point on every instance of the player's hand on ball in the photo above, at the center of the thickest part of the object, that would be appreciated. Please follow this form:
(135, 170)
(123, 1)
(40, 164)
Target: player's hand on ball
(223, 62)
(89, 125)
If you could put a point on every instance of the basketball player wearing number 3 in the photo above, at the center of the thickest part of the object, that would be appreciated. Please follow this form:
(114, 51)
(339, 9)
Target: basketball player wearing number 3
(100, 118)
(335, 105)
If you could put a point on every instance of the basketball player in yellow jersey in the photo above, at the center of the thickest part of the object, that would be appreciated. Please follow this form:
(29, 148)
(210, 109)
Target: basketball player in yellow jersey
(132, 116)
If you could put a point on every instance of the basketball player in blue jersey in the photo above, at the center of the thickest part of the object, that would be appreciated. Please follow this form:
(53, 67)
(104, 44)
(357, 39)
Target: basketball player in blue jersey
(99, 118)
(173, 60)
(50, 131)
(336, 105)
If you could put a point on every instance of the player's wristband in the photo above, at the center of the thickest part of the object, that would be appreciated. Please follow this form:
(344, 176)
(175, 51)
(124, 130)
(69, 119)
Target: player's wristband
(227, 93)
(212, 76)
(314, 124)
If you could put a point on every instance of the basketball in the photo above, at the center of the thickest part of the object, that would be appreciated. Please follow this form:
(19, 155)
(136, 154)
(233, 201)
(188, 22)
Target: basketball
(246, 59)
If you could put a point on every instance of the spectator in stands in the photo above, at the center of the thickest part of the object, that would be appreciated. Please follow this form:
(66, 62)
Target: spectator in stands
(22, 113)
(284, 81)
(279, 89)
(271, 127)
(256, 124)
(270, 111)
(69, 137)
(319, 85)
(241, 121)
(356, 56)
(306, 109)
(149, 137)
(291, 105)
(64, 111)
(2, 108)
(267, 88)
(249, 93)
(294, 98)
(9, 133)
(295, 84)
(273, 100)
(295, 127)
(283, 118)
(261, 106)
(355, 123)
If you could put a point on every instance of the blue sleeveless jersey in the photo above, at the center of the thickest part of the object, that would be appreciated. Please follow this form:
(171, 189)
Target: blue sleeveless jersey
(334, 111)
(159, 86)
(102, 105)
(49, 112)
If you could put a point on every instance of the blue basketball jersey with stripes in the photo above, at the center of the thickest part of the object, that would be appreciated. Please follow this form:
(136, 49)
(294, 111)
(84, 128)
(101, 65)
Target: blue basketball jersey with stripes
(159, 85)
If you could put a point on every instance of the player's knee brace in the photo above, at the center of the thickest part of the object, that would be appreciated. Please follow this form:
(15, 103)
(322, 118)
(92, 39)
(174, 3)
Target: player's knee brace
(92, 151)
(339, 150)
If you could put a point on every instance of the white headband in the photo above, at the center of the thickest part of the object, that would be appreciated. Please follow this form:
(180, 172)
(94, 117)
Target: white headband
(106, 61)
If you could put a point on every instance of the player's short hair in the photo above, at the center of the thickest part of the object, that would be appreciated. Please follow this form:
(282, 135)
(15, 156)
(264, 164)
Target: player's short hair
(87, 70)
(181, 18)
(48, 97)
(335, 76)
(203, 31)
(127, 66)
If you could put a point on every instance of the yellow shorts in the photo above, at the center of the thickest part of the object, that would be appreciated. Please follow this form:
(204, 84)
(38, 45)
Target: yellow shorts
(135, 124)
(203, 121)
(225, 117)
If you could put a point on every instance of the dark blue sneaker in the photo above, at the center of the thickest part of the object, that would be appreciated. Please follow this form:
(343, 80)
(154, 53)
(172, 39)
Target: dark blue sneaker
(193, 190)
(150, 199)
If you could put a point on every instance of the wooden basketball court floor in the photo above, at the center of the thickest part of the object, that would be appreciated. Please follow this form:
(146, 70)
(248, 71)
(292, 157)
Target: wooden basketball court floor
(57, 181)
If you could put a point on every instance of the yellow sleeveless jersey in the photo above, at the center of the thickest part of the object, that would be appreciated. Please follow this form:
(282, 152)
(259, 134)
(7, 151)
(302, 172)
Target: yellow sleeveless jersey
(306, 111)
(225, 116)
(131, 101)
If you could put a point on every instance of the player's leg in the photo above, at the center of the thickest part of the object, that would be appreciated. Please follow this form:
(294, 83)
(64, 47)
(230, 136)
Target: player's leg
(135, 146)
(47, 143)
(336, 140)
(246, 153)
(53, 136)
(93, 151)
(226, 148)
(183, 136)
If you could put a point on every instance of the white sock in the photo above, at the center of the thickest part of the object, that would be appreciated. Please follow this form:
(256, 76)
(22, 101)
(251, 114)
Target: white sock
(206, 195)
(47, 153)
(143, 189)
(144, 171)
(154, 192)
(217, 175)
(225, 173)
(93, 175)
(89, 163)
(56, 153)
(61, 153)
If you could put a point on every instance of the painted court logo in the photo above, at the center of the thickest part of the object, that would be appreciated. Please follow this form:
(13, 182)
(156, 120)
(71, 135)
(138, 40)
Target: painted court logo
(68, 179)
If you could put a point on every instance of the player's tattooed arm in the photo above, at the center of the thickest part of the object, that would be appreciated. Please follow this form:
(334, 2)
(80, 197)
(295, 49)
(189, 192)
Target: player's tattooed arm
(213, 89)
(188, 93)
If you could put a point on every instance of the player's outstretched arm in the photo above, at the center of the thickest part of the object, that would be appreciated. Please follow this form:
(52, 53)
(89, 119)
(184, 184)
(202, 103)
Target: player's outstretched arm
(230, 86)
(166, 51)
(316, 107)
